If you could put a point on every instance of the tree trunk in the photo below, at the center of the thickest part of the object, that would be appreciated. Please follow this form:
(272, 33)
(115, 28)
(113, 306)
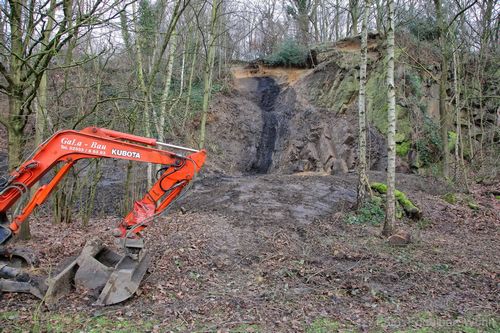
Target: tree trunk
(146, 97)
(337, 19)
(442, 87)
(363, 182)
(354, 11)
(190, 81)
(207, 75)
(379, 17)
(166, 90)
(390, 215)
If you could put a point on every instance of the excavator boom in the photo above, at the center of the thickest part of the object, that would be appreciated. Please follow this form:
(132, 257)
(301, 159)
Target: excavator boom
(64, 149)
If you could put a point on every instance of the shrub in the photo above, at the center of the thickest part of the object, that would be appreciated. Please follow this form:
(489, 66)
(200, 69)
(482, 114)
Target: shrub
(290, 54)
(429, 144)
(424, 28)
(371, 212)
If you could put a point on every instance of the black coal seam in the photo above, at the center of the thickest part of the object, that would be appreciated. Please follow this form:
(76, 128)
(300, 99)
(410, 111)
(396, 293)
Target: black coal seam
(269, 91)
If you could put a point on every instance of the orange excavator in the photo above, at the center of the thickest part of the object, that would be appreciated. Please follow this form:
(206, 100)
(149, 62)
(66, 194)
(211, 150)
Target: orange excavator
(113, 276)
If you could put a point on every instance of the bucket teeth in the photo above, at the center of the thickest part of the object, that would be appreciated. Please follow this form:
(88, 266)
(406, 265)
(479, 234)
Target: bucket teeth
(124, 280)
(98, 269)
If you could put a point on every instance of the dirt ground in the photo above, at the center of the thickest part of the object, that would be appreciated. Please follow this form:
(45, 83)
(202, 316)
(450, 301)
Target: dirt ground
(273, 253)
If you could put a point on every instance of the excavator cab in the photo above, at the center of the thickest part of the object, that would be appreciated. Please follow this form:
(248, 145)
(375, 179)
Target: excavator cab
(112, 275)
(5, 232)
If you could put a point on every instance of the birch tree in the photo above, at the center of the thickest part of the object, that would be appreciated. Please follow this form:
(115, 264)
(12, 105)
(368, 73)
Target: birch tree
(390, 213)
(363, 182)
(209, 65)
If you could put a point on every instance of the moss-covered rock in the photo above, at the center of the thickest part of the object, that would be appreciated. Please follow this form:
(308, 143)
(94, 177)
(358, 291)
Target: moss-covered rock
(343, 90)
(410, 209)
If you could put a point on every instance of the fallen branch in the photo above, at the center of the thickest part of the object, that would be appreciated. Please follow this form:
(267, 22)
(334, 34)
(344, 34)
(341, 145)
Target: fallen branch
(410, 209)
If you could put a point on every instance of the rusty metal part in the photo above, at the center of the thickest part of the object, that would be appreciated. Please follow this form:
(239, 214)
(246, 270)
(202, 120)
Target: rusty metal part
(18, 257)
(14, 278)
(21, 287)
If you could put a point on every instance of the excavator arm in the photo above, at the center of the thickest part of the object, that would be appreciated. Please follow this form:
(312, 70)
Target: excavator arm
(116, 277)
(66, 147)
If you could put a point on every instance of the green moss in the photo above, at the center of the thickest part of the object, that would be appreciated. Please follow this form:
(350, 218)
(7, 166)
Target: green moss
(450, 198)
(497, 197)
(399, 137)
(371, 212)
(452, 140)
(245, 328)
(428, 145)
(415, 83)
(379, 187)
(473, 205)
(376, 93)
(403, 124)
(342, 91)
(408, 206)
(323, 325)
(403, 148)
(51, 322)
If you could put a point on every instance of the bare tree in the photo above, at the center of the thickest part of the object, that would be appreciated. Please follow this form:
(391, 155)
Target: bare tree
(390, 213)
(209, 64)
(363, 182)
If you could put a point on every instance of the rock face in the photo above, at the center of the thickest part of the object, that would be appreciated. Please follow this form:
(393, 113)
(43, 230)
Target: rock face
(273, 129)
(268, 90)
(309, 123)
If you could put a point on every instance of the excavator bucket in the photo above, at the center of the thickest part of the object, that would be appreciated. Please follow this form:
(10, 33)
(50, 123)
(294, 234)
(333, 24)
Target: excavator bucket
(100, 270)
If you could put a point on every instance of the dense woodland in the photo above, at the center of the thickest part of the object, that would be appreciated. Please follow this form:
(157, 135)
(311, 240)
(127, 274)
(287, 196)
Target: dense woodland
(155, 67)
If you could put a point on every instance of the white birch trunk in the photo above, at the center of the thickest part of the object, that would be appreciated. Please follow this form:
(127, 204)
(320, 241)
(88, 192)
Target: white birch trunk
(391, 131)
(163, 110)
(363, 182)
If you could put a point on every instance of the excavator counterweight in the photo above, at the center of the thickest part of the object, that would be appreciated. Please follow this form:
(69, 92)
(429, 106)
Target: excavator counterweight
(115, 276)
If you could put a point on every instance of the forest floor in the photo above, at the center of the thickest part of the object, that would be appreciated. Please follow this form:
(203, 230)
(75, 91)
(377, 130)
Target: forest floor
(276, 253)
(282, 253)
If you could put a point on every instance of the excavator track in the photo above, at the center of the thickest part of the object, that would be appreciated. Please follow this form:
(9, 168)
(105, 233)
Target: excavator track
(14, 264)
